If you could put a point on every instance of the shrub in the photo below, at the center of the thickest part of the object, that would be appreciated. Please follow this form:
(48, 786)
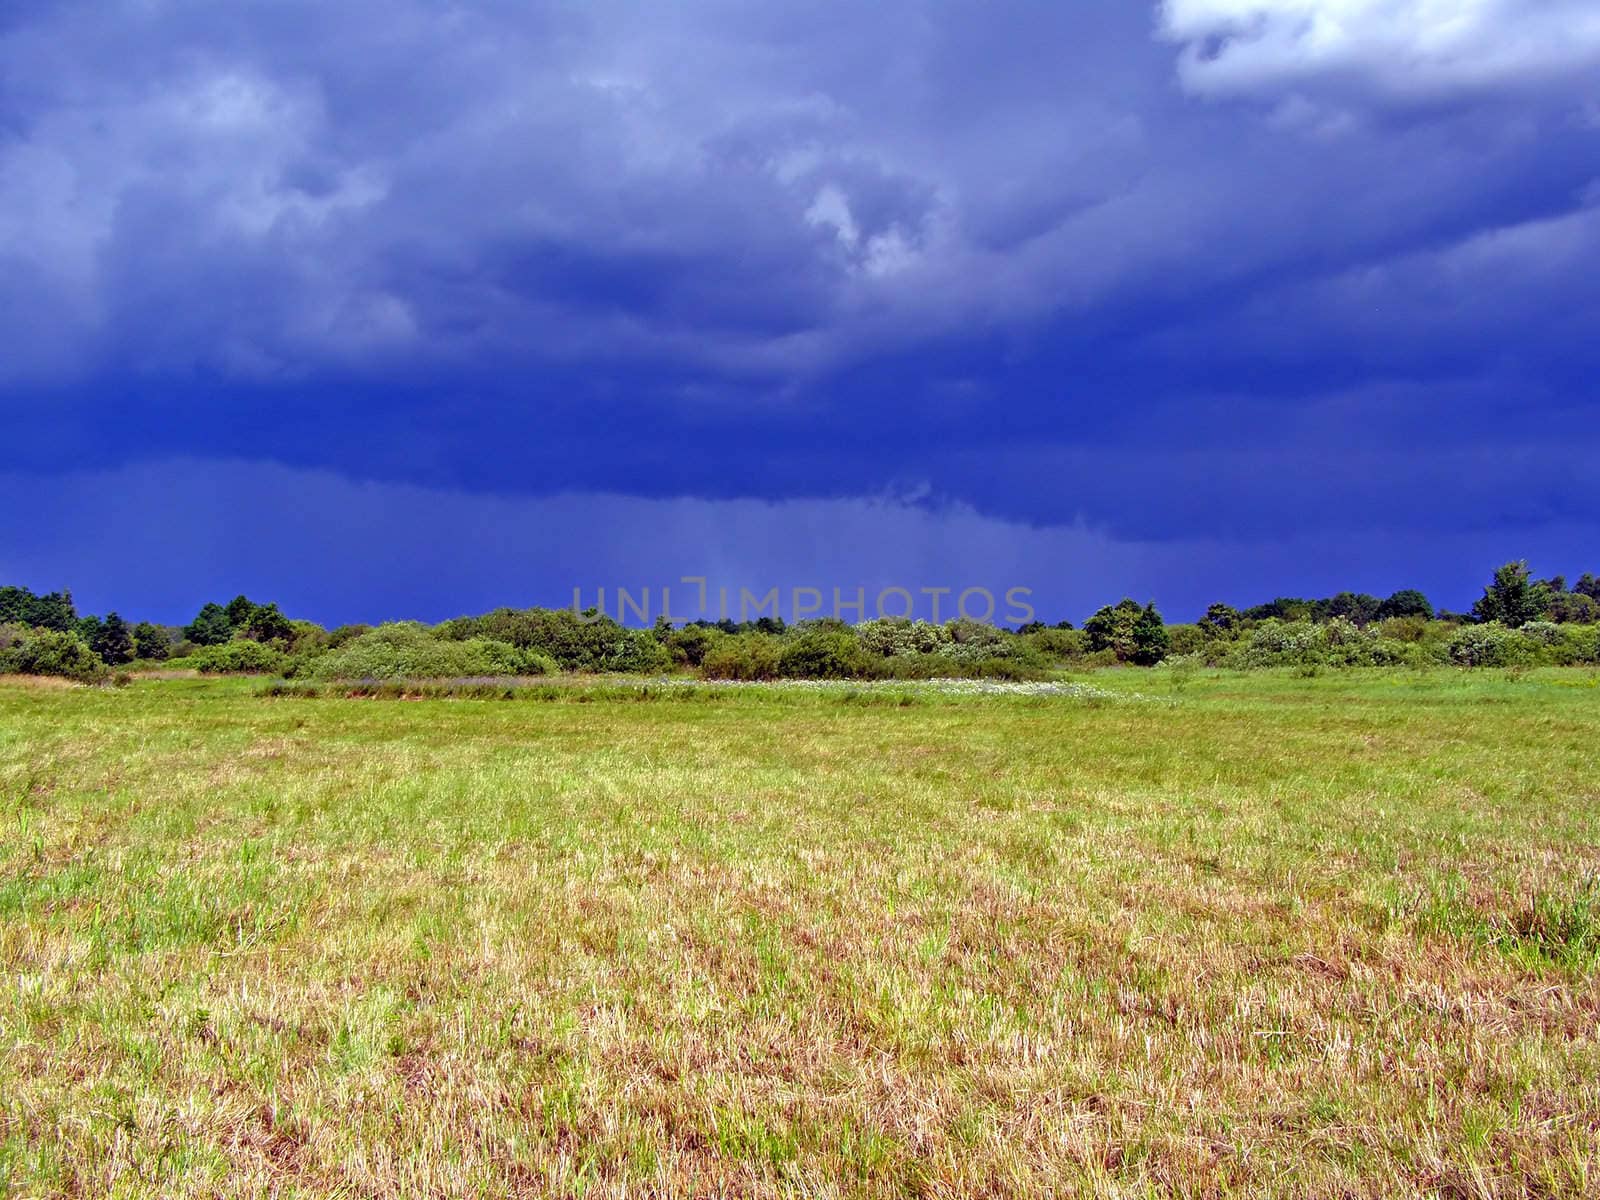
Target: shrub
(1339, 642)
(823, 654)
(534, 663)
(50, 652)
(743, 656)
(1011, 669)
(636, 652)
(1404, 629)
(898, 636)
(917, 666)
(1578, 644)
(1489, 645)
(974, 642)
(1543, 633)
(234, 658)
(1187, 639)
(577, 643)
(407, 650)
(689, 645)
(1057, 644)
(1274, 643)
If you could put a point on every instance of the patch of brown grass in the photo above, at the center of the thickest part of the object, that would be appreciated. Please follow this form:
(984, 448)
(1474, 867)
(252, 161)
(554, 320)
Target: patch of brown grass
(42, 683)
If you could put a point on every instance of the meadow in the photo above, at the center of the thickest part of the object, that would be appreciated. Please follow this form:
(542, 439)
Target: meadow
(1189, 933)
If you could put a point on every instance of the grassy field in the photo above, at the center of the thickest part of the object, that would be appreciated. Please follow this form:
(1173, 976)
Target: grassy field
(1206, 936)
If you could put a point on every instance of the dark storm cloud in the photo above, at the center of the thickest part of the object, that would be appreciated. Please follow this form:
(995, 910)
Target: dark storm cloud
(390, 550)
(1214, 267)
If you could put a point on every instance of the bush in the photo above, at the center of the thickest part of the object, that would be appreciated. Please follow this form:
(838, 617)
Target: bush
(49, 652)
(234, 658)
(823, 654)
(1275, 643)
(1489, 645)
(1187, 639)
(1543, 633)
(743, 656)
(1011, 669)
(1057, 644)
(690, 645)
(636, 652)
(975, 642)
(1404, 629)
(892, 637)
(1579, 644)
(576, 643)
(409, 651)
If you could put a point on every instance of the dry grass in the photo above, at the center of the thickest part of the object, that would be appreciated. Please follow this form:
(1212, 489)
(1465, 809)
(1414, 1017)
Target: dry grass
(1291, 938)
(37, 683)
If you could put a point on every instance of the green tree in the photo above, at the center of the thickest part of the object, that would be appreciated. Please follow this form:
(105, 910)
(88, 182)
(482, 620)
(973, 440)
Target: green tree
(1150, 640)
(54, 610)
(1111, 628)
(210, 627)
(150, 642)
(1512, 598)
(1285, 608)
(239, 610)
(265, 623)
(1357, 607)
(1220, 620)
(1408, 602)
(1573, 608)
(113, 641)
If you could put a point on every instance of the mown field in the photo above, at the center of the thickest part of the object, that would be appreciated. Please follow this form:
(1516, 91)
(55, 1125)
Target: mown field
(1233, 935)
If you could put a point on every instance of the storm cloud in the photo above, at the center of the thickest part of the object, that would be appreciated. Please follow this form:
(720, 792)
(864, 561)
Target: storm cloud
(1264, 272)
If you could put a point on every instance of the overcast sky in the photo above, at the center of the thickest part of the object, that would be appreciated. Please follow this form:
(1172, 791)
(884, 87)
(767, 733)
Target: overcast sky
(415, 307)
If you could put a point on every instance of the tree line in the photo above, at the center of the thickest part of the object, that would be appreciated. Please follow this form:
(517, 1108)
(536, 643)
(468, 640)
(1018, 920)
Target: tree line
(1517, 618)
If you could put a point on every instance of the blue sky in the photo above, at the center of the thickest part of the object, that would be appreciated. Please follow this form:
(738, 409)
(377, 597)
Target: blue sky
(413, 308)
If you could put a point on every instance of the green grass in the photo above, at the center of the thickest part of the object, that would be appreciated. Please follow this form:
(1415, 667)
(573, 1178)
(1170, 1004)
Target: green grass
(1188, 934)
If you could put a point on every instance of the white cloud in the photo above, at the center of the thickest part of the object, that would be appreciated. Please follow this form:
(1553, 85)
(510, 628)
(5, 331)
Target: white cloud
(831, 210)
(1396, 48)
